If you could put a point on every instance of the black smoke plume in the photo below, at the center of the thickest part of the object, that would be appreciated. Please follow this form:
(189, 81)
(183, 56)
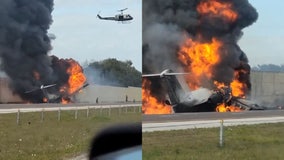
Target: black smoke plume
(167, 23)
(25, 45)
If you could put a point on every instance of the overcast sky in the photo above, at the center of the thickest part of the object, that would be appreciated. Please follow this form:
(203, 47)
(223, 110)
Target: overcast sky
(263, 42)
(82, 36)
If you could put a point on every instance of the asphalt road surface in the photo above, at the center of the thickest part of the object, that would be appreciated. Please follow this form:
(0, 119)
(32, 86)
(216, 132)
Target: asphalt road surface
(211, 116)
(179, 121)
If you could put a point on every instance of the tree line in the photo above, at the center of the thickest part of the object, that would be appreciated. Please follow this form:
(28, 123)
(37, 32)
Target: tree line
(268, 68)
(113, 72)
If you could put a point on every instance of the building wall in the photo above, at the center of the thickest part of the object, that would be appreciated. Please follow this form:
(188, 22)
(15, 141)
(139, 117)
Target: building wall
(267, 87)
(108, 94)
(87, 95)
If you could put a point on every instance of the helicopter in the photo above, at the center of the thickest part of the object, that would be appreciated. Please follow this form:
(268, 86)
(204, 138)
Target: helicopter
(200, 100)
(119, 17)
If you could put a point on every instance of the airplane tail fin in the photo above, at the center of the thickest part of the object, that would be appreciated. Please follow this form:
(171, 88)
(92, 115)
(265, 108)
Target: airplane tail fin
(174, 89)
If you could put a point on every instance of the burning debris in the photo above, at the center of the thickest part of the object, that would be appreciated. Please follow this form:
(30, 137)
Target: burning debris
(153, 106)
(199, 37)
(24, 53)
(178, 100)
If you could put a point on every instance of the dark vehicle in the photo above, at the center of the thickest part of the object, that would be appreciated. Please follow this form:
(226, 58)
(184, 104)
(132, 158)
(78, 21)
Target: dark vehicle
(118, 142)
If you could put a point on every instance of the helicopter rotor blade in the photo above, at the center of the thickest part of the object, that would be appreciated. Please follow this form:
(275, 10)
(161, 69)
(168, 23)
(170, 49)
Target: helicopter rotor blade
(122, 9)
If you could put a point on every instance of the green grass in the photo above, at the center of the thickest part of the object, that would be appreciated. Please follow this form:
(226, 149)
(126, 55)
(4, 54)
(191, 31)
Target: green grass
(53, 139)
(253, 142)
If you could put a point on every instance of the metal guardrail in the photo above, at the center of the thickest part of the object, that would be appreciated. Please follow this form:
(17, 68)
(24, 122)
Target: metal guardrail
(121, 108)
(39, 109)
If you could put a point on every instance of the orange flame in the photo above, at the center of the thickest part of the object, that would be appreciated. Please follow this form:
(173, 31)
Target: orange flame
(199, 58)
(75, 81)
(150, 104)
(223, 108)
(235, 91)
(76, 77)
(238, 88)
(44, 99)
(219, 85)
(217, 9)
(64, 101)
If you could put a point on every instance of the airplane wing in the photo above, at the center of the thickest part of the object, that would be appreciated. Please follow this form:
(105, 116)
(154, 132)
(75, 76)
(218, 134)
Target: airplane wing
(151, 75)
(43, 87)
(32, 90)
(164, 74)
(174, 74)
(47, 86)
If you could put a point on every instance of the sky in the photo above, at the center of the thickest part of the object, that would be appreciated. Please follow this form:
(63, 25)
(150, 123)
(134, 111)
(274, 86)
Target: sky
(82, 36)
(263, 41)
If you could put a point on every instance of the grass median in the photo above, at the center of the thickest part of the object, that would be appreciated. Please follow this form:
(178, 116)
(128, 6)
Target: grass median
(42, 135)
(260, 142)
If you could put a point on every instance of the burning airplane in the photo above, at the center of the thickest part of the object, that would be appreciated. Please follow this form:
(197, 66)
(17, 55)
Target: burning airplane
(34, 74)
(197, 37)
(179, 100)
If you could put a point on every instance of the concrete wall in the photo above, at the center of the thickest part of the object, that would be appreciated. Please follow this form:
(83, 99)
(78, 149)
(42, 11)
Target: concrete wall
(267, 87)
(87, 95)
(108, 94)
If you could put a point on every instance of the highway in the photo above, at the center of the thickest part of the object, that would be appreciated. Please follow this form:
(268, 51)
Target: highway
(12, 108)
(208, 119)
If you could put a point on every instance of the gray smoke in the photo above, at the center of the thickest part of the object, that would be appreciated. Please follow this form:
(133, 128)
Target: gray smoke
(166, 23)
(24, 47)
(97, 76)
